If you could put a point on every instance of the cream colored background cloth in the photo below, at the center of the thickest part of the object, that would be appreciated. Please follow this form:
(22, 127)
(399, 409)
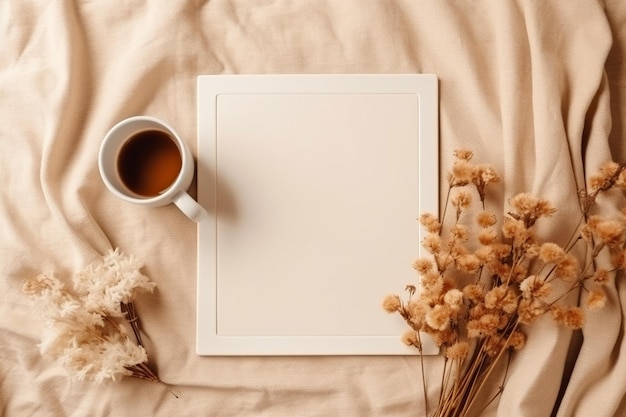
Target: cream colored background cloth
(535, 87)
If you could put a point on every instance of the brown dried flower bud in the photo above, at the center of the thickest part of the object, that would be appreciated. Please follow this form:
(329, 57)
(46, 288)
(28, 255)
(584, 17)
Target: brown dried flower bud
(551, 253)
(458, 351)
(392, 303)
(430, 222)
(464, 154)
(596, 299)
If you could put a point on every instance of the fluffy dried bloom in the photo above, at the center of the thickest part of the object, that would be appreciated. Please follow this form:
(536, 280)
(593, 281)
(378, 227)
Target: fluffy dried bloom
(462, 173)
(601, 276)
(461, 200)
(517, 340)
(605, 178)
(454, 299)
(486, 219)
(113, 280)
(423, 265)
(474, 292)
(486, 174)
(485, 325)
(417, 311)
(501, 298)
(572, 317)
(530, 310)
(501, 250)
(410, 338)
(494, 295)
(464, 154)
(567, 270)
(468, 263)
(458, 351)
(596, 299)
(486, 236)
(443, 337)
(610, 232)
(485, 254)
(392, 303)
(516, 230)
(432, 243)
(527, 208)
(535, 287)
(430, 222)
(551, 253)
(459, 232)
(439, 317)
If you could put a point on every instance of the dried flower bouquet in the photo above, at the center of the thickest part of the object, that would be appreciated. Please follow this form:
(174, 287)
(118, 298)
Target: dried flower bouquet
(482, 284)
(85, 330)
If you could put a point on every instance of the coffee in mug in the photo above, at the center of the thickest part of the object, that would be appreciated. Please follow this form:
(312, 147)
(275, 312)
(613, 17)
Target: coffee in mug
(149, 162)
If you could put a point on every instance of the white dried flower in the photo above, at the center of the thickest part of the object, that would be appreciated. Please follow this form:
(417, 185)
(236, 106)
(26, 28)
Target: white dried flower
(80, 328)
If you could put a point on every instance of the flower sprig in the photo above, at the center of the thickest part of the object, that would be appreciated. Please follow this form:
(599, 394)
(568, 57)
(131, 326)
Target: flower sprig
(481, 283)
(85, 329)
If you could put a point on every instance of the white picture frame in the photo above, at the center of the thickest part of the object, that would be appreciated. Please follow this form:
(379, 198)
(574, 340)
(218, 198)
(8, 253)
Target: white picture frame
(313, 184)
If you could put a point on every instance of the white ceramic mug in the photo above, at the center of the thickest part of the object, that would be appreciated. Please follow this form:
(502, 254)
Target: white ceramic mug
(176, 192)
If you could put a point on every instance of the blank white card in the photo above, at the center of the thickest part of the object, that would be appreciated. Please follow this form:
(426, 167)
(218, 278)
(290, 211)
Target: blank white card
(314, 184)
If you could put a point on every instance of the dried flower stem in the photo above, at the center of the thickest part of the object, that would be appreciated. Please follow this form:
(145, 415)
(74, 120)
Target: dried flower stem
(131, 316)
(143, 371)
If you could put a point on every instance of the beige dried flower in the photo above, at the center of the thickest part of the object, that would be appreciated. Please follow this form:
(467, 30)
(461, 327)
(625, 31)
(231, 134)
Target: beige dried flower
(517, 340)
(568, 269)
(474, 292)
(486, 325)
(458, 351)
(468, 263)
(410, 338)
(601, 276)
(485, 254)
(486, 219)
(423, 266)
(515, 230)
(392, 303)
(486, 174)
(462, 173)
(606, 178)
(459, 233)
(572, 317)
(463, 154)
(610, 232)
(432, 243)
(535, 287)
(596, 299)
(486, 236)
(81, 332)
(430, 222)
(551, 253)
(529, 310)
(439, 317)
(453, 299)
(494, 296)
(529, 209)
(461, 200)
(417, 311)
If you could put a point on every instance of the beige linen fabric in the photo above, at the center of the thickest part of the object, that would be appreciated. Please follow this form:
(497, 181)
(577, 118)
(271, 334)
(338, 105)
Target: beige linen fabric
(523, 83)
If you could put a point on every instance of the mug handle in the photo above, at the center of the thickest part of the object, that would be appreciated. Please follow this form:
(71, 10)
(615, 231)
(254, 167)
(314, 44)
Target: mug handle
(189, 206)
